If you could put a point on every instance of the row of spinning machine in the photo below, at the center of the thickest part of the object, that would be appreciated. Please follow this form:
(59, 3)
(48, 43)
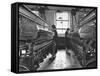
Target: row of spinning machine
(35, 40)
(87, 30)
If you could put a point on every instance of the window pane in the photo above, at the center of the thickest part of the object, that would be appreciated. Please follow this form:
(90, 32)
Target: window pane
(62, 16)
(59, 24)
(62, 24)
(63, 31)
(60, 31)
(65, 24)
(59, 16)
(65, 15)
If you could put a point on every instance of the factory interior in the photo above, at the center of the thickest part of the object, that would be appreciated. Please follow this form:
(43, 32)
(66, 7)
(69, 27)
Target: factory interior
(57, 37)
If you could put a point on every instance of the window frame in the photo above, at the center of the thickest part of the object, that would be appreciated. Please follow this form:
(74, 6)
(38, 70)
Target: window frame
(63, 21)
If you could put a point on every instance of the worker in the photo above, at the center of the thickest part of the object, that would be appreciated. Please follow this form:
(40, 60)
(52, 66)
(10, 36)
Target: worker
(67, 39)
(55, 38)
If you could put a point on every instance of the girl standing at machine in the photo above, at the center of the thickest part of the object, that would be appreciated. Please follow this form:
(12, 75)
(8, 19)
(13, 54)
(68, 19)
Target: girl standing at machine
(55, 38)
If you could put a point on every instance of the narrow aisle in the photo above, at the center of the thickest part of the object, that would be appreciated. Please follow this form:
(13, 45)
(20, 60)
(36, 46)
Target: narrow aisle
(62, 61)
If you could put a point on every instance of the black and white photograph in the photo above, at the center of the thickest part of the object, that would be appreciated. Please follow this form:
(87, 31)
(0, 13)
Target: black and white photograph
(56, 37)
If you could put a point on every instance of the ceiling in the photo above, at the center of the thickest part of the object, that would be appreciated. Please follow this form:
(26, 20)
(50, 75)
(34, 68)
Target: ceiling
(55, 8)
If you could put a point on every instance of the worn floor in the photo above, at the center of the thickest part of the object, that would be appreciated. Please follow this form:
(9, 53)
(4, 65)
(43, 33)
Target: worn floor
(62, 61)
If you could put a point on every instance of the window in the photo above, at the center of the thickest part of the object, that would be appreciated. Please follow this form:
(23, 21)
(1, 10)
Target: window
(62, 22)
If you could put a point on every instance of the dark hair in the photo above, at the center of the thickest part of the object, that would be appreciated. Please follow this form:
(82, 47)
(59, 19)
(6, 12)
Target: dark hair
(53, 26)
(68, 29)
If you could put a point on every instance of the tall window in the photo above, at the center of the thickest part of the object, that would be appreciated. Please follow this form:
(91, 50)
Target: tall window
(62, 22)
